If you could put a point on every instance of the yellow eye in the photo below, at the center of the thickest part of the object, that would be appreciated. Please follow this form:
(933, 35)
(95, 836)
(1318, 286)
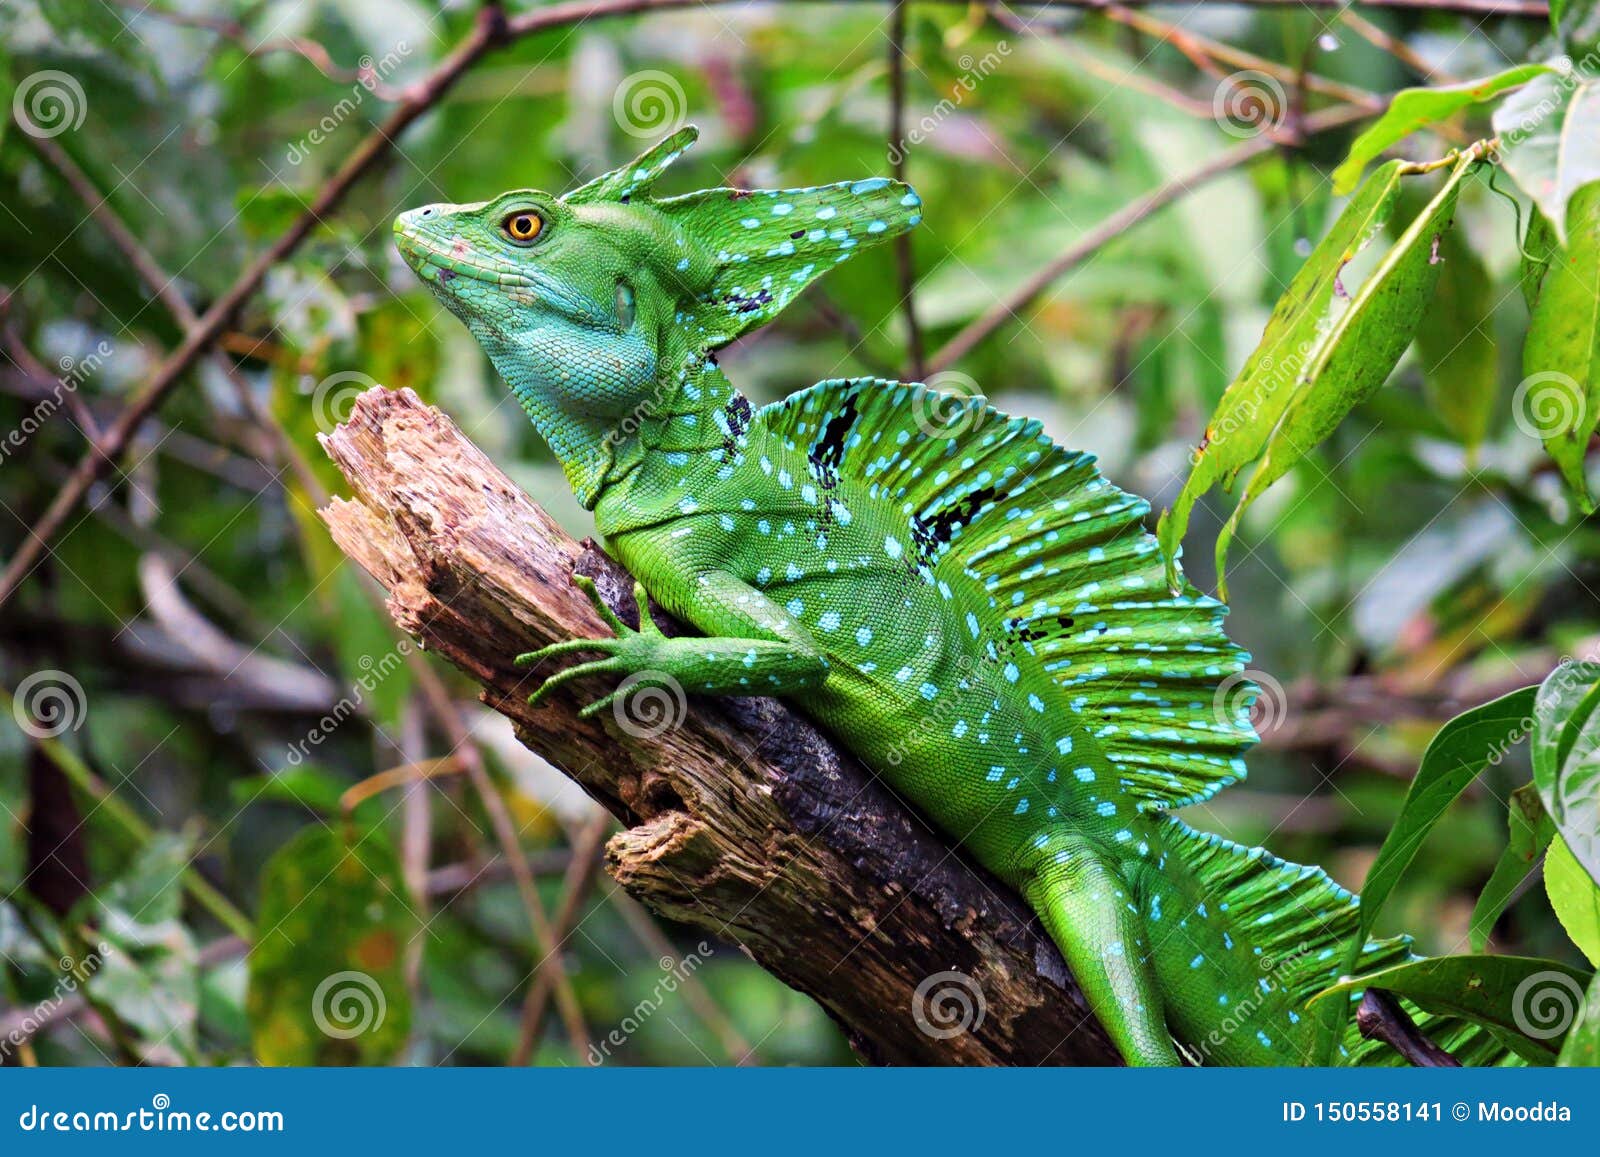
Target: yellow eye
(523, 226)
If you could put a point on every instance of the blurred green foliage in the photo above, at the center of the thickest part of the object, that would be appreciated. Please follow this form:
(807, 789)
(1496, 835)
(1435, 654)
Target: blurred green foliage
(225, 677)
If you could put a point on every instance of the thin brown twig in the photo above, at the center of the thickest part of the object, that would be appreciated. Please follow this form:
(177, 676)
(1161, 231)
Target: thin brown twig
(1119, 223)
(1380, 1017)
(582, 873)
(1395, 47)
(695, 994)
(236, 33)
(506, 835)
(1205, 52)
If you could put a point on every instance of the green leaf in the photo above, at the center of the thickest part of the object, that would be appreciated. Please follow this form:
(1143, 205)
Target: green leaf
(149, 972)
(1460, 369)
(1581, 1049)
(1461, 749)
(1559, 397)
(1417, 108)
(327, 976)
(1530, 832)
(1550, 139)
(1326, 348)
(1575, 897)
(308, 786)
(1566, 757)
(1503, 992)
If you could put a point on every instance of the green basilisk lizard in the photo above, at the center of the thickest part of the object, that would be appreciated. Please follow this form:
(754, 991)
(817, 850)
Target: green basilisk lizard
(971, 609)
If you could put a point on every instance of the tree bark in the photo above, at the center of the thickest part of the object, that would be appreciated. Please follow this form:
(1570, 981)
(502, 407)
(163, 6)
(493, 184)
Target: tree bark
(741, 818)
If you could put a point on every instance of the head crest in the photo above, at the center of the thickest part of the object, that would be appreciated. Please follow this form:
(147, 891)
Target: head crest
(766, 244)
(638, 175)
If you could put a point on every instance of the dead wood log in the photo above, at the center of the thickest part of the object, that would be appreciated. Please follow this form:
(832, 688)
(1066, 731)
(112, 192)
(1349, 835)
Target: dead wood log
(740, 817)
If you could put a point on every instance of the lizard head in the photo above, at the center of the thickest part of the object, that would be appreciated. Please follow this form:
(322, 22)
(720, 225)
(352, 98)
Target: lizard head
(593, 302)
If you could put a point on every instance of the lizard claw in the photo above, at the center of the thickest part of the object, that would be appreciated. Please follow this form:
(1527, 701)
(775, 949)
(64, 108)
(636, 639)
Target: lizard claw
(582, 670)
(625, 639)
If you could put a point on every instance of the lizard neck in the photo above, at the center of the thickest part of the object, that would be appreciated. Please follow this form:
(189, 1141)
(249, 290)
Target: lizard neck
(694, 425)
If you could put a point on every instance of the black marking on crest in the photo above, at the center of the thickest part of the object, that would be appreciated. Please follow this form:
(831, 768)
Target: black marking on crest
(1029, 633)
(738, 413)
(747, 302)
(934, 533)
(827, 452)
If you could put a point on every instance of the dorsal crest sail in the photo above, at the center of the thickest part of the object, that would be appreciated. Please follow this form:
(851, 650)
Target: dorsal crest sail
(1065, 563)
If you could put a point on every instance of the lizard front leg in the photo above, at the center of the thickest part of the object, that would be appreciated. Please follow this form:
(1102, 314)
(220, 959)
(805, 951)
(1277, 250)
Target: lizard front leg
(771, 654)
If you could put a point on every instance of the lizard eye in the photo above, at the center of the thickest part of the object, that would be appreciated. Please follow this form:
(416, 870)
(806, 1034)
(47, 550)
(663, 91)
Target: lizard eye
(523, 227)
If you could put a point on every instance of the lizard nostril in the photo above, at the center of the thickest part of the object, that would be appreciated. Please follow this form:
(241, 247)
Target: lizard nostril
(427, 212)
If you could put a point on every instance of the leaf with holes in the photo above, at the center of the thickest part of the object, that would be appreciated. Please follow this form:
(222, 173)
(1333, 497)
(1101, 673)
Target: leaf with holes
(1328, 345)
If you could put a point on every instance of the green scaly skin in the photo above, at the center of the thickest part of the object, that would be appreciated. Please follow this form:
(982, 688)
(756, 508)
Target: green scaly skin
(970, 609)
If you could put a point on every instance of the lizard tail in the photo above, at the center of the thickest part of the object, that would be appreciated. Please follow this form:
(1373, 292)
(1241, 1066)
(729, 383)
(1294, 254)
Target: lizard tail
(1241, 940)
